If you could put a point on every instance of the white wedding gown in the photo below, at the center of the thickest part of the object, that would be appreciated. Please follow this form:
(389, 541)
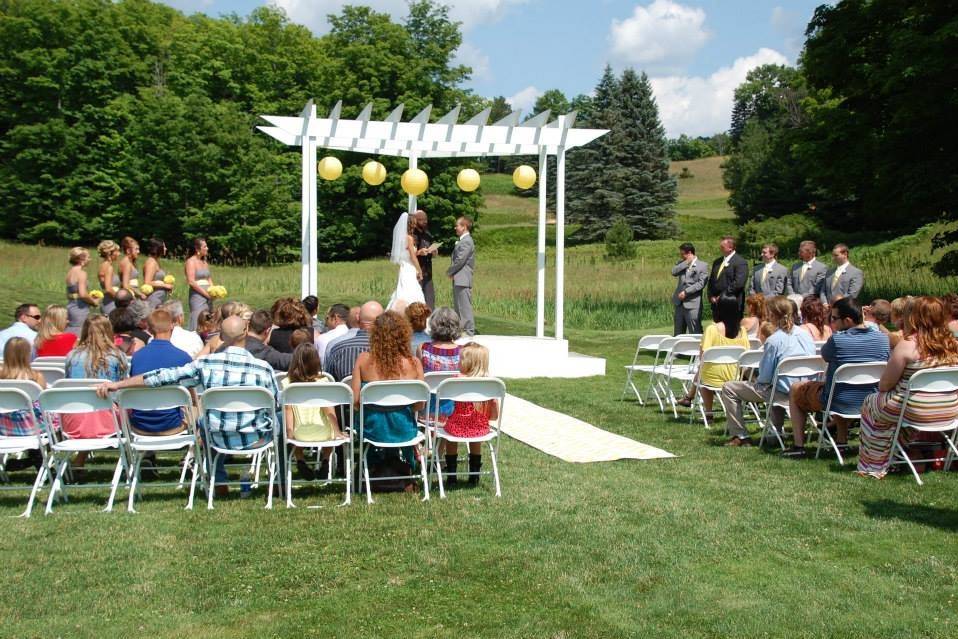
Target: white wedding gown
(407, 288)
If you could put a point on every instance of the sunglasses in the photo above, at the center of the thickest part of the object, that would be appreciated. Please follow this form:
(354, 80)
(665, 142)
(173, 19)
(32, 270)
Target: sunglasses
(36, 317)
(835, 318)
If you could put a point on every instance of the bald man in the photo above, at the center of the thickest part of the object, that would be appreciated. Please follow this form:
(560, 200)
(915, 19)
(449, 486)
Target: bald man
(341, 355)
(234, 366)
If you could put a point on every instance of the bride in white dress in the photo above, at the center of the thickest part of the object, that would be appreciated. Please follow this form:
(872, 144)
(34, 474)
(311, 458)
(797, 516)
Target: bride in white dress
(408, 289)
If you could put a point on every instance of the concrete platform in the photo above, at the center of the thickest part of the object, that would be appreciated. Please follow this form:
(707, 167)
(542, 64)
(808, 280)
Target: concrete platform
(518, 356)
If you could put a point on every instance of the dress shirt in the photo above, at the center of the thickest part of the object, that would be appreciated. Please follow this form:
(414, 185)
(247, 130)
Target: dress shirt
(777, 347)
(187, 341)
(323, 341)
(17, 329)
(341, 357)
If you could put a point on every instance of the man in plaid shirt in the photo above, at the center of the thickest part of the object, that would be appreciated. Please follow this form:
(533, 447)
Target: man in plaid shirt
(234, 366)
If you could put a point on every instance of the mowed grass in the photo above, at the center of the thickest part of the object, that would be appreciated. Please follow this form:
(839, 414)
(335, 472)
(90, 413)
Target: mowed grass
(716, 542)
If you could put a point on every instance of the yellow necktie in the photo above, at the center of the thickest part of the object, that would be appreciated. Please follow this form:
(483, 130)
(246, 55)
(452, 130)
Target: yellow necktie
(837, 275)
(721, 268)
(804, 270)
(764, 275)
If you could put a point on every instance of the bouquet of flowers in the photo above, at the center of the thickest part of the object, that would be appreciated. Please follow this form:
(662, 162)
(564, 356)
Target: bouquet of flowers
(217, 292)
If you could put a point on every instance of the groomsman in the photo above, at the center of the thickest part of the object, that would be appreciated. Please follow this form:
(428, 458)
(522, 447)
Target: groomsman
(460, 272)
(729, 274)
(844, 280)
(808, 275)
(692, 274)
(771, 278)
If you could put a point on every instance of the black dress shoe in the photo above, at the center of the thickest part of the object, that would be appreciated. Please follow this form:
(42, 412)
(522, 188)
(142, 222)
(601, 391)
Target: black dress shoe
(305, 472)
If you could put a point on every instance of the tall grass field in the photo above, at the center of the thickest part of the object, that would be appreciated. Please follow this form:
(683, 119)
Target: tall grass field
(716, 542)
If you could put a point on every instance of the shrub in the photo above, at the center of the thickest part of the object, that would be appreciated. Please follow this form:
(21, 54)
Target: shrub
(618, 241)
(686, 174)
(787, 232)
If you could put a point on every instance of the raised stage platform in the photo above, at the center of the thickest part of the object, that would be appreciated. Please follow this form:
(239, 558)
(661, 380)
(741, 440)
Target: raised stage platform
(518, 356)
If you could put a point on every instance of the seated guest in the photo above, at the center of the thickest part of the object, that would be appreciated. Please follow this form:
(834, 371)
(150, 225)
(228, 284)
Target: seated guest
(300, 336)
(951, 306)
(52, 338)
(786, 341)
(288, 315)
(336, 319)
(815, 318)
(754, 313)
(141, 315)
(260, 325)
(159, 353)
(95, 356)
(417, 314)
(311, 304)
(122, 323)
(187, 341)
(442, 352)
(26, 320)
(230, 309)
(207, 326)
(725, 331)
(235, 366)
(388, 358)
(122, 298)
(852, 343)
(341, 355)
(352, 327)
(471, 419)
(765, 331)
(927, 344)
(876, 315)
(900, 309)
(303, 422)
(16, 365)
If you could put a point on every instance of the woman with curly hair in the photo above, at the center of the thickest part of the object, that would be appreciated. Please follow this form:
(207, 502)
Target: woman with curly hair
(815, 319)
(418, 315)
(289, 314)
(927, 343)
(388, 358)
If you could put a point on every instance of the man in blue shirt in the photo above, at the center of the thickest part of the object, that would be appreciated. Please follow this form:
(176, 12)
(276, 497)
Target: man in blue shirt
(159, 353)
(787, 341)
(851, 342)
(27, 318)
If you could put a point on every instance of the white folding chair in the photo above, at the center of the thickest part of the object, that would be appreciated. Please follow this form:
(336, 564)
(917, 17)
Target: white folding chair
(755, 344)
(818, 346)
(52, 360)
(330, 378)
(861, 374)
(802, 366)
(239, 399)
(717, 355)
(19, 397)
(937, 381)
(748, 365)
(78, 382)
(647, 343)
(471, 389)
(79, 401)
(279, 376)
(684, 347)
(391, 394)
(661, 354)
(319, 395)
(161, 398)
(52, 373)
(426, 417)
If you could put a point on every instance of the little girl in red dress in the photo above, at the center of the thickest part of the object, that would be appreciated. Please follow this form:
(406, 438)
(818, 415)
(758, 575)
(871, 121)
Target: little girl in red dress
(470, 419)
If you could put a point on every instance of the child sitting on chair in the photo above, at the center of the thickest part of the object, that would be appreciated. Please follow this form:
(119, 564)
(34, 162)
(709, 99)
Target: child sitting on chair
(470, 419)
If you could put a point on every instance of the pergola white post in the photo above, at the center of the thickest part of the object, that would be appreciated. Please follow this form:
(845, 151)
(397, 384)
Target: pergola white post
(413, 200)
(541, 251)
(560, 237)
(308, 253)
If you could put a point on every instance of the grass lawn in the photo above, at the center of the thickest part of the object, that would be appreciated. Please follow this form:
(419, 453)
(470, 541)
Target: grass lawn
(716, 542)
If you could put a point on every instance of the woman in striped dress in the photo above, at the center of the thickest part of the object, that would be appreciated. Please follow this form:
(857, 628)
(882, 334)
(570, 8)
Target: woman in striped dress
(927, 344)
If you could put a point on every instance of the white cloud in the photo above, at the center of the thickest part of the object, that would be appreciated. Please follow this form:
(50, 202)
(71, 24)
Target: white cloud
(698, 105)
(662, 36)
(470, 13)
(524, 99)
(471, 56)
(791, 27)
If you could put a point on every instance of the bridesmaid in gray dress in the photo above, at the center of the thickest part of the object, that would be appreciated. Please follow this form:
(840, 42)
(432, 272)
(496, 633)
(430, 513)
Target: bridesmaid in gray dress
(129, 274)
(109, 281)
(153, 274)
(199, 279)
(78, 294)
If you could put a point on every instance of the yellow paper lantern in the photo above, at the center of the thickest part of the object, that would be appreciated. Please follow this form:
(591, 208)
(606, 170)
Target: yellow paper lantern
(468, 180)
(524, 176)
(330, 168)
(374, 173)
(169, 279)
(414, 182)
(146, 289)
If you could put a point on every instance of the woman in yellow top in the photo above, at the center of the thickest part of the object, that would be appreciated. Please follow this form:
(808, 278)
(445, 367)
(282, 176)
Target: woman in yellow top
(309, 424)
(727, 330)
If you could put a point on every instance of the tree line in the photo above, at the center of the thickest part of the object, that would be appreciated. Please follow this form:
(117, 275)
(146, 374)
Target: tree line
(129, 117)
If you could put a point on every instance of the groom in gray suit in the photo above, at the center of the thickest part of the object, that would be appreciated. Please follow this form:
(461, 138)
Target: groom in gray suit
(460, 271)
(692, 274)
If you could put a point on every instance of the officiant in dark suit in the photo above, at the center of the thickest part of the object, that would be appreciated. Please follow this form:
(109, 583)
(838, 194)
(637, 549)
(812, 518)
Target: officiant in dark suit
(423, 239)
(729, 274)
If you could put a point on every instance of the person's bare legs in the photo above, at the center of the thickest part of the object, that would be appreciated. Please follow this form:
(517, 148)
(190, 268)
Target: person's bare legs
(799, 416)
(708, 399)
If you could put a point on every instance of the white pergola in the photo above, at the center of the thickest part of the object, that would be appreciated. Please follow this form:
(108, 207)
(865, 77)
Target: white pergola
(446, 138)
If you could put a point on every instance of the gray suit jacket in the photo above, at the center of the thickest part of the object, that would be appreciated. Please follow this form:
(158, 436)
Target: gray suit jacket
(811, 284)
(848, 285)
(691, 280)
(777, 282)
(463, 262)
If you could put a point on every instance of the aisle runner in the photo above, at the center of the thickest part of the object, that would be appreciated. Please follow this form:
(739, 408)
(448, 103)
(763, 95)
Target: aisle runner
(568, 438)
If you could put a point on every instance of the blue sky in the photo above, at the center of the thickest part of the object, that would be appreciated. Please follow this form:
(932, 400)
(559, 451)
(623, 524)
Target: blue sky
(695, 51)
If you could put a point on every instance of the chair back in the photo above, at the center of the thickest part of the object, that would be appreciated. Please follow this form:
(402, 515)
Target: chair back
(30, 387)
(55, 360)
(939, 381)
(434, 378)
(750, 359)
(651, 342)
(160, 398)
(237, 399)
(722, 355)
(51, 372)
(755, 344)
(401, 392)
(348, 380)
(330, 378)
(279, 376)
(317, 395)
(818, 347)
(800, 366)
(14, 399)
(85, 382)
(861, 374)
(685, 347)
(73, 401)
